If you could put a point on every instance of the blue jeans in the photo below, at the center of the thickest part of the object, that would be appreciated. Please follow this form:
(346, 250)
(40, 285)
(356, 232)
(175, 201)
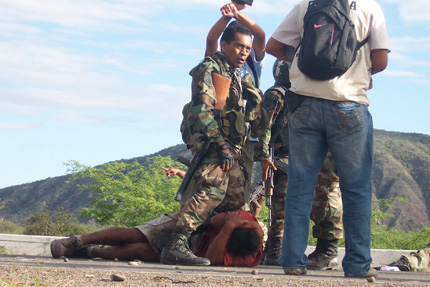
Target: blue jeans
(346, 129)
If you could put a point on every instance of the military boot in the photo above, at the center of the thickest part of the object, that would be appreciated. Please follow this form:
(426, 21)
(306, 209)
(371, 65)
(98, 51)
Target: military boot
(273, 251)
(178, 252)
(325, 255)
(66, 247)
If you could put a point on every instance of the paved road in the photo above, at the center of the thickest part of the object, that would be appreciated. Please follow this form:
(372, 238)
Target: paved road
(265, 273)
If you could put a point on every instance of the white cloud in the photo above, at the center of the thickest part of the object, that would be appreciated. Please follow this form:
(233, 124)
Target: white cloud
(400, 73)
(410, 44)
(412, 11)
(16, 126)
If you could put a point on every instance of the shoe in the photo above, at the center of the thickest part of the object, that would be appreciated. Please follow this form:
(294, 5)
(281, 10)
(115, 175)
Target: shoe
(325, 255)
(273, 251)
(371, 273)
(403, 264)
(295, 271)
(177, 251)
(83, 252)
(66, 247)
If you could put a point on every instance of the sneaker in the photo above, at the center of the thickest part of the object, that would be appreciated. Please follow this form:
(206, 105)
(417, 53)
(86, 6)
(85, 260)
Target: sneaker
(66, 247)
(402, 264)
(371, 273)
(295, 271)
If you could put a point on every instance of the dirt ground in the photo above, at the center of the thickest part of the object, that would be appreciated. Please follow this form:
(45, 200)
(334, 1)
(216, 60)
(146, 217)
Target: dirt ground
(73, 277)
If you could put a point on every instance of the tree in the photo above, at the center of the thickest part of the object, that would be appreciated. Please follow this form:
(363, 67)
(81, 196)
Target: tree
(59, 223)
(129, 194)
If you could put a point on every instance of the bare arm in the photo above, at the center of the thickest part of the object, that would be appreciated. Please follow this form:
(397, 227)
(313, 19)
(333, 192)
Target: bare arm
(214, 33)
(379, 60)
(174, 171)
(276, 48)
(218, 246)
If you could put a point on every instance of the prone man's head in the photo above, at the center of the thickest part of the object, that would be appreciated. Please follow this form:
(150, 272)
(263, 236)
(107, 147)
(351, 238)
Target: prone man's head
(243, 241)
(236, 41)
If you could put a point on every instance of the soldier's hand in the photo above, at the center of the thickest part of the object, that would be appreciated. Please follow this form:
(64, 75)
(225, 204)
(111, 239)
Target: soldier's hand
(265, 166)
(226, 157)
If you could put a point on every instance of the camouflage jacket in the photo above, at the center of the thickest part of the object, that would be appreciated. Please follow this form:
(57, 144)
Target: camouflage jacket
(278, 114)
(203, 125)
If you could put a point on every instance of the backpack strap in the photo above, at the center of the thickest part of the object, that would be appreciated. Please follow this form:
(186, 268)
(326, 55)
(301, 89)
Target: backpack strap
(362, 43)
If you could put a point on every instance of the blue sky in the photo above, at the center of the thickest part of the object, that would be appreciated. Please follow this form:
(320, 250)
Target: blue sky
(103, 80)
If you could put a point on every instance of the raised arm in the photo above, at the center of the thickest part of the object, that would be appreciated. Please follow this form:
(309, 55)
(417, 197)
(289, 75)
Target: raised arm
(214, 34)
(259, 41)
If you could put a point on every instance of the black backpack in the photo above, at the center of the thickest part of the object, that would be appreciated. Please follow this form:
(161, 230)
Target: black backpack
(329, 45)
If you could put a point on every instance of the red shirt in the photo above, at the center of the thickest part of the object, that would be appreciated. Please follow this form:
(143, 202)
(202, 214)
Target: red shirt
(231, 259)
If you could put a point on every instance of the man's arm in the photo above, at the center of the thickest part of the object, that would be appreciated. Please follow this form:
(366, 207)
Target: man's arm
(259, 41)
(276, 49)
(218, 246)
(227, 222)
(171, 171)
(214, 34)
(379, 59)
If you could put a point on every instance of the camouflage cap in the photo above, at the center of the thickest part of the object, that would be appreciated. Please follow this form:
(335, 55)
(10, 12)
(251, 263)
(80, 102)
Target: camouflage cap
(249, 2)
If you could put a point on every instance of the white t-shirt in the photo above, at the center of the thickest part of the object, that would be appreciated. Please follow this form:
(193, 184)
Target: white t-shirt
(352, 86)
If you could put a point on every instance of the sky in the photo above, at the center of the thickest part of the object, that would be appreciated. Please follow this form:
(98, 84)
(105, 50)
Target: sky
(95, 81)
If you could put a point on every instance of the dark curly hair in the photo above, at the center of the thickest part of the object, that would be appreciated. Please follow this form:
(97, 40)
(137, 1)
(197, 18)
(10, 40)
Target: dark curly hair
(231, 30)
(243, 241)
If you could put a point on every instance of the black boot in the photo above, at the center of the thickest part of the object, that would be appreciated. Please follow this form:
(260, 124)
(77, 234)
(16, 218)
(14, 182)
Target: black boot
(273, 251)
(325, 255)
(178, 252)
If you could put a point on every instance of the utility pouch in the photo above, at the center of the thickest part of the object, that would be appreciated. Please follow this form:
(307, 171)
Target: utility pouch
(233, 126)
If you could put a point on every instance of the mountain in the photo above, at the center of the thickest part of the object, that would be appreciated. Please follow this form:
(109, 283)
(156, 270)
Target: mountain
(401, 169)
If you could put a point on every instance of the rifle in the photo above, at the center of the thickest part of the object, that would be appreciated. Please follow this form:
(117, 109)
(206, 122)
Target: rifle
(195, 161)
(180, 158)
(269, 186)
(257, 190)
(222, 88)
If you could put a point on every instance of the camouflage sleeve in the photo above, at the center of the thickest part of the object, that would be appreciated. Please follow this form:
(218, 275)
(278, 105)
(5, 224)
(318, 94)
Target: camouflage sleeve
(273, 103)
(202, 124)
(255, 114)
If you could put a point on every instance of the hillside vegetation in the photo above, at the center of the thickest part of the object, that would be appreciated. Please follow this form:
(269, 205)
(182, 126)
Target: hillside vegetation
(401, 169)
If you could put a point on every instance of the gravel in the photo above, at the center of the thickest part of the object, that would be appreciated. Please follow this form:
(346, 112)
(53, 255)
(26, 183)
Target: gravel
(47, 276)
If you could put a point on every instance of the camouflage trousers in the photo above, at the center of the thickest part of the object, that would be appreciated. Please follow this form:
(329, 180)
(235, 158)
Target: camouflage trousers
(326, 207)
(215, 189)
(420, 260)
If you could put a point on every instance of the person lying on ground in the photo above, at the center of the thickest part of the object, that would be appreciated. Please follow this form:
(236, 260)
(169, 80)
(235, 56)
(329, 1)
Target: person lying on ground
(231, 239)
(418, 261)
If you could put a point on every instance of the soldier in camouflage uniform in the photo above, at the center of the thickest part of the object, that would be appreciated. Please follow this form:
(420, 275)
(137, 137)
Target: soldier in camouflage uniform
(327, 204)
(415, 261)
(218, 133)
